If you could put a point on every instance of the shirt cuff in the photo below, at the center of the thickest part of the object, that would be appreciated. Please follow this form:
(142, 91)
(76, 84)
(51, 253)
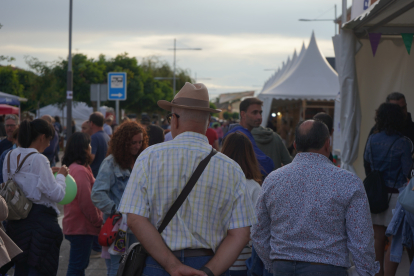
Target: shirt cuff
(61, 177)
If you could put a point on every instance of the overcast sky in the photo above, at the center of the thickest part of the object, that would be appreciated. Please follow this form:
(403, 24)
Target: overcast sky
(239, 39)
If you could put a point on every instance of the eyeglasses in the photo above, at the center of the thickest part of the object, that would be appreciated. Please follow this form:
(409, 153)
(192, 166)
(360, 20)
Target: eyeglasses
(169, 117)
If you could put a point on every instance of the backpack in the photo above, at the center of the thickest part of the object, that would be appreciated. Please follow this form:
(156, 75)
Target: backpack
(19, 206)
(377, 190)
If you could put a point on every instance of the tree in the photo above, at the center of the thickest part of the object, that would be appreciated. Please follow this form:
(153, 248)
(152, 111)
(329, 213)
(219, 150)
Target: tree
(226, 115)
(235, 115)
(9, 81)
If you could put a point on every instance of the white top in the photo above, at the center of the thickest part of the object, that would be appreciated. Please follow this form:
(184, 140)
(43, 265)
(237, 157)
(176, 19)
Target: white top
(107, 129)
(168, 137)
(36, 178)
(254, 190)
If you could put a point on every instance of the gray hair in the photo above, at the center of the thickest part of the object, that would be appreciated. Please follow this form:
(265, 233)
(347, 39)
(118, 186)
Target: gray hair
(395, 96)
(12, 117)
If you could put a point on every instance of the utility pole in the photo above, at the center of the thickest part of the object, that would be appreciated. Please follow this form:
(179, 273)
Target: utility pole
(174, 63)
(69, 89)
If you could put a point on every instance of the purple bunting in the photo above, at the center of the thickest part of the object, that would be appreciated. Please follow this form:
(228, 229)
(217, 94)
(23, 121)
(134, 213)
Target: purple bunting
(374, 38)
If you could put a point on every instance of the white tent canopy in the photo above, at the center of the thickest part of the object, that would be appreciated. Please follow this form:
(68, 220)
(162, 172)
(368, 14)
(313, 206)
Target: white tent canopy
(306, 77)
(80, 112)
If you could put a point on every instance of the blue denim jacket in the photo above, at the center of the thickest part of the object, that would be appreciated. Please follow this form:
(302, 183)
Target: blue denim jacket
(109, 185)
(401, 228)
(398, 157)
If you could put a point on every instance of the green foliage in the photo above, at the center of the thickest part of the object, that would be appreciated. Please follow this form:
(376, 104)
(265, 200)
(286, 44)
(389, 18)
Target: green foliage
(212, 105)
(9, 81)
(46, 82)
(226, 115)
(235, 115)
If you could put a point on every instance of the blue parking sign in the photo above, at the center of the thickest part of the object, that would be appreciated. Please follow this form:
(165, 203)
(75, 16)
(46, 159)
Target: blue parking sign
(117, 86)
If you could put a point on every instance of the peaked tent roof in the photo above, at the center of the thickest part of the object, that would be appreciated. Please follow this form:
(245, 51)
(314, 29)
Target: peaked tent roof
(311, 78)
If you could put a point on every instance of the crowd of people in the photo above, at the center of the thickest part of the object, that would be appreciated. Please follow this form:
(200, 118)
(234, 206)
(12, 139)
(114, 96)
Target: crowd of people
(255, 210)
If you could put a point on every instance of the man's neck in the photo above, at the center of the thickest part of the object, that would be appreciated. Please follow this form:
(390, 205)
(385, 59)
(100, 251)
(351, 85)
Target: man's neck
(10, 139)
(243, 124)
(97, 130)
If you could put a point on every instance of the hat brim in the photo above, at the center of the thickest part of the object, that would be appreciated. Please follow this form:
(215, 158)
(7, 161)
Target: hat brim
(166, 105)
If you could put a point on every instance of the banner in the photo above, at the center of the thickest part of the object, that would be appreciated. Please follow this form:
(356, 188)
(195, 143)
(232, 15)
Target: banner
(374, 38)
(408, 41)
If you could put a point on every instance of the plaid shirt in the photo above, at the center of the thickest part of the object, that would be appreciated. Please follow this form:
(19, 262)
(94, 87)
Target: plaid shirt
(218, 202)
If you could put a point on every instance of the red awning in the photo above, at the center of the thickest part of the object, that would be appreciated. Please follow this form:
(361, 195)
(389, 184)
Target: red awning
(8, 109)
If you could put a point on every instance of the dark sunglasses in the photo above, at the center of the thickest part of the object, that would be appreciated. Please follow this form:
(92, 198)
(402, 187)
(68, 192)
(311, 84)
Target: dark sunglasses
(169, 117)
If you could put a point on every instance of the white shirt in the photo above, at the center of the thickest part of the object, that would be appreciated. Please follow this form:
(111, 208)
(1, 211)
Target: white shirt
(107, 129)
(36, 178)
(168, 137)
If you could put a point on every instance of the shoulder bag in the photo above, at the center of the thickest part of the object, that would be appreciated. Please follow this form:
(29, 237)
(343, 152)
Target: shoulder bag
(376, 189)
(406, 197)
(133, 262)
(19, 206)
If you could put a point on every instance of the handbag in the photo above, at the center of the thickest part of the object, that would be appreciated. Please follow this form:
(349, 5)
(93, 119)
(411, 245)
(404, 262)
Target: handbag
(133, 262)
(107, 236)
(18, 204)
(376, 189)
(406, 197)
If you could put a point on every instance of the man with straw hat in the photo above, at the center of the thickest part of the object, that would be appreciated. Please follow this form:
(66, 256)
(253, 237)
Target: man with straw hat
(212, 226)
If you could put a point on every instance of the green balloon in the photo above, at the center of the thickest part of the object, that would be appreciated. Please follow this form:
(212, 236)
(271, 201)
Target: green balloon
(71, 190)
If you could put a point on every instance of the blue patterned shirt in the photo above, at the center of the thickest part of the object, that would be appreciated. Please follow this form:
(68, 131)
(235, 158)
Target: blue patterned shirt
(312, 211)
(218, 202)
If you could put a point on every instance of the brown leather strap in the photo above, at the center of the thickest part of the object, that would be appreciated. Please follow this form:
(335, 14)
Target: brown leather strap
(21, 164)
(8, 163)
(193, 253)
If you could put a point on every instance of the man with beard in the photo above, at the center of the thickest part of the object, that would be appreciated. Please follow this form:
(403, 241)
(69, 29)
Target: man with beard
(251, 117)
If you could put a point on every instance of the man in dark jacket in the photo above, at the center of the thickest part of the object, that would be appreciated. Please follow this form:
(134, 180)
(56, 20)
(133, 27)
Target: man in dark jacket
(408, 130)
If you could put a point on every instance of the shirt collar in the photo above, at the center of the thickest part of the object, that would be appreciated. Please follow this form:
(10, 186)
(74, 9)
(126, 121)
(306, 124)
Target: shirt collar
(192, 135)
(27, 150)
(310, 157)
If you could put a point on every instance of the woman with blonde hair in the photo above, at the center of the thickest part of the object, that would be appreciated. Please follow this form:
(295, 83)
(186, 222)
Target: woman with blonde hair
(126, 144)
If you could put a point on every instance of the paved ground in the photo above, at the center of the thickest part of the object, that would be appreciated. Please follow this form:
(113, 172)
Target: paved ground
(96, 266)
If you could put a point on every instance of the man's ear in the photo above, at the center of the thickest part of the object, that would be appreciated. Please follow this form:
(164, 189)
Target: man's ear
(327, 145)
(294, 145)
(242, 113)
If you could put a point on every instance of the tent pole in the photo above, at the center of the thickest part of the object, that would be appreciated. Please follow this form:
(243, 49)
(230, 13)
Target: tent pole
(344, 12)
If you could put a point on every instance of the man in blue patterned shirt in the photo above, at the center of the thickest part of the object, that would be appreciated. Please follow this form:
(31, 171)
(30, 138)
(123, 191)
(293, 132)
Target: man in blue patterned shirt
(312, 214)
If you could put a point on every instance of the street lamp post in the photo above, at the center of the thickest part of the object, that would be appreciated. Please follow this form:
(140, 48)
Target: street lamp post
(175, 49)
(69, 85)
(334, 20)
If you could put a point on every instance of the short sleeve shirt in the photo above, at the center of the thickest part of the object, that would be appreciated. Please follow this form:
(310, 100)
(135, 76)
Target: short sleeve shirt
(218, 202)
(99, 143)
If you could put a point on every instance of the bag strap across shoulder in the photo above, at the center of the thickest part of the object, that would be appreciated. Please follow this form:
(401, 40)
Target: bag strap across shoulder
(19, 166)
(186, 191)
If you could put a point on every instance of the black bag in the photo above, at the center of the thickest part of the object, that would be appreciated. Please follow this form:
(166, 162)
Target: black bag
(377, 190)
(132, 262)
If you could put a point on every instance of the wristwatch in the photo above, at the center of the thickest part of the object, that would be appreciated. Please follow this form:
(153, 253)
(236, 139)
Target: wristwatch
(207, 271)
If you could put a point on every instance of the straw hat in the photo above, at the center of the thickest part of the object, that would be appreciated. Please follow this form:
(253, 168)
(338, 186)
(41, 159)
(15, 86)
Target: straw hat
(191, 96)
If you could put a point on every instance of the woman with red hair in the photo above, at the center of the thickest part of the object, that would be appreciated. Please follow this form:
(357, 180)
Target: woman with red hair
(128, 141)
